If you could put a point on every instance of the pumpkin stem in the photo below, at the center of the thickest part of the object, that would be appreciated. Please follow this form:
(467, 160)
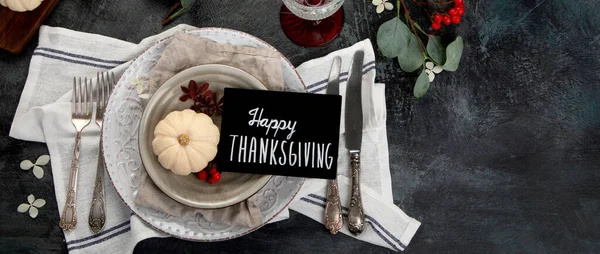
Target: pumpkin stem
(183, 139)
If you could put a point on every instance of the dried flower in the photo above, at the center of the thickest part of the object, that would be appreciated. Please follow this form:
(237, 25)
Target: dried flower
(432, 70)
(32, 206)
(37, 170)
(381, 4)
(205, 100)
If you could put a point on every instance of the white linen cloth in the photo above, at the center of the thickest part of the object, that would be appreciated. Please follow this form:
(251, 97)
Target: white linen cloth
(43, 115)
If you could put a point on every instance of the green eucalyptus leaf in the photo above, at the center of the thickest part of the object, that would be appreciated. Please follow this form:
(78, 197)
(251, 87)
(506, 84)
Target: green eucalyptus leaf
(412, 59)
(453, 54)
(183, 6)
(436, 49)
(187, 3)
(392, 38)
(417, 26)
(421, 85)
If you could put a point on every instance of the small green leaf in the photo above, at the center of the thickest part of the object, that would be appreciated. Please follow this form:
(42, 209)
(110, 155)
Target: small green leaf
(187, 3)
(183, 6)
(453, 54)
(421, 85)
(392, 38)
(436, 50)
(413, 58)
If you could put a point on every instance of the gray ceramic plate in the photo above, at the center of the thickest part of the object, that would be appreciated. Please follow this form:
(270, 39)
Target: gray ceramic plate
(189, 190)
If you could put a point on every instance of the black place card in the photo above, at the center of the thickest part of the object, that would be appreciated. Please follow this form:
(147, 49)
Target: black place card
(280, 133)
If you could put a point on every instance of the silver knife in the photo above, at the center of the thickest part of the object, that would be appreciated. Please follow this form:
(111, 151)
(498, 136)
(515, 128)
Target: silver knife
(333, 207)
(353, 125)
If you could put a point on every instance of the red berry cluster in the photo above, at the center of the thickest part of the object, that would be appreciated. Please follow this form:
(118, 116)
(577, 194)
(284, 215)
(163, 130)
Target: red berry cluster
(212, 176)
(452, 17)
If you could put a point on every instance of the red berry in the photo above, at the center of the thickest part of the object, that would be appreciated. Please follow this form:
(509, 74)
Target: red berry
(437, 18)
(460, 6)
(456, 20)
(453, 12)
(214, 178)
(458, 1)
(213, 170)
(202, 175)
(436, 26)
(447, 20)
(460, 11)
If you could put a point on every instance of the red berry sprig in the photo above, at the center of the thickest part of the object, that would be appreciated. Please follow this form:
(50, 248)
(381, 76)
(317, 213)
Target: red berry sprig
(451, 17)
(212, 176)
(215, 176)
(202, 175)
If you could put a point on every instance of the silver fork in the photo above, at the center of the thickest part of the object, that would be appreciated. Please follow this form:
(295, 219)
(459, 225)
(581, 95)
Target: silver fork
(81, 115)
(97, 217)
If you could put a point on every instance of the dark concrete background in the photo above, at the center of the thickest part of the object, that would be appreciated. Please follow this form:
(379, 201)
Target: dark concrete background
(502, 155)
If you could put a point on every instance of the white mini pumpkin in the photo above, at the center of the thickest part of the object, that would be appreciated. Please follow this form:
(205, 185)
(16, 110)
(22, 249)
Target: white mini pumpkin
(185, 141)
(21, 5)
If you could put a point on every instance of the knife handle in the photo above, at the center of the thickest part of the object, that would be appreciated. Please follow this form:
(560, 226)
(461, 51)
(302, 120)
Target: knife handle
(356, 215)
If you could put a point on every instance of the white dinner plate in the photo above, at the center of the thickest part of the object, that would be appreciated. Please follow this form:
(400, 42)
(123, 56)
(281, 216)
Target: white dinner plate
(120, 146)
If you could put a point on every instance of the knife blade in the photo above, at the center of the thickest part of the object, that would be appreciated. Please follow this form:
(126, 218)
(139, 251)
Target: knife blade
(354, 125)
(333, 84)
(333, 207)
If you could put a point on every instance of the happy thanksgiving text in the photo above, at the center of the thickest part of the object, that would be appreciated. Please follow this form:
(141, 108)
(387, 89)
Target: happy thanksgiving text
(274, 151)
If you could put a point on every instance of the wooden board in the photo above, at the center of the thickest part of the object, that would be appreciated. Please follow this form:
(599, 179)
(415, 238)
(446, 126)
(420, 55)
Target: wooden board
(17, 28)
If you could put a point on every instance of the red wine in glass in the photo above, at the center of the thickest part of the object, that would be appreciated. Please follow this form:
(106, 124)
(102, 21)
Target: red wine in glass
(311, 23)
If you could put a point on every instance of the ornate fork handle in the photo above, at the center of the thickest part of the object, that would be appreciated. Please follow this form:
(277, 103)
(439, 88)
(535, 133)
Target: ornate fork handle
(97, 216)
(68, 219)
(356, 215)
(333, 208)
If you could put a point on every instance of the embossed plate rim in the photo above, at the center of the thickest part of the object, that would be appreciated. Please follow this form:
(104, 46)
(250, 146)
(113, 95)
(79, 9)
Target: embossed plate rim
(296, 182)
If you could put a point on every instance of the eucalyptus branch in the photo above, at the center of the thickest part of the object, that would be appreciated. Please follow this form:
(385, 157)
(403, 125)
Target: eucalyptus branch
(421, 29)
(395, 39)
(412, 26)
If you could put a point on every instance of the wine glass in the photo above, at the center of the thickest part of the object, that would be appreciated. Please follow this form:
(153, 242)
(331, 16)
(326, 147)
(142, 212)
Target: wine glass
(311, 23)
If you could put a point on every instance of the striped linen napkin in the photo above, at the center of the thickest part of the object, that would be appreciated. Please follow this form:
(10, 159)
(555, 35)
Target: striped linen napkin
(43, 115)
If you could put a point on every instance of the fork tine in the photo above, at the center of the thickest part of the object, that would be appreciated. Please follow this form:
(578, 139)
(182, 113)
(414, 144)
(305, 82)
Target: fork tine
(83, 97)
(79, 95)
(90, 102)
(91, 87)
(86, 100)
(100, 92)
(97, 91)
(104, 91)
(111, 82)
(107, 88)
(103, 85)
(74, 98)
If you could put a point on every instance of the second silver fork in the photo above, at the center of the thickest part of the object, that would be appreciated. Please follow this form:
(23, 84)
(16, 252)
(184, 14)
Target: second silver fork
(97, 216)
